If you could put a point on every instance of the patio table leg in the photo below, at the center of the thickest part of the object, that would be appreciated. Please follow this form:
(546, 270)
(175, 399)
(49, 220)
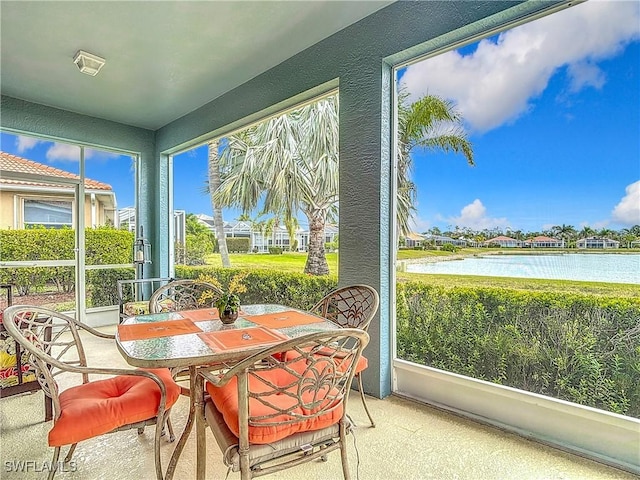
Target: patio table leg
(187, 428)
(201, 439)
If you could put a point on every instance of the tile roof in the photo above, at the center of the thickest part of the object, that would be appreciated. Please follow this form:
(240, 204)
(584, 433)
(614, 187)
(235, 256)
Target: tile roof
(13, 163)
(501, 238)
(414, 236)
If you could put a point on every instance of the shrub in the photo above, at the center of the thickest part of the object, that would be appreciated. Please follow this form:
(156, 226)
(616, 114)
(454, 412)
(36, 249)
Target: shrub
(104, 246)
(238, 245)
(579, 348)
(275, 250)
(197, 248)
(449, 247)
(103, 289)
(269, 286)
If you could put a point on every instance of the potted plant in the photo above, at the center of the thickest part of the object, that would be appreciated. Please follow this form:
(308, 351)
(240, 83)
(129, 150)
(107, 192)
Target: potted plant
(228, 306)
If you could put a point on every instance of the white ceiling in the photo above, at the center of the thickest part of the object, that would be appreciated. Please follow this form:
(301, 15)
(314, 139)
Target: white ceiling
(164, 59)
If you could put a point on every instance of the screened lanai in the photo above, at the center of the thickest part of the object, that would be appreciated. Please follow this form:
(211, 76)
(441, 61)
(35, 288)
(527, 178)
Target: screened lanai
(180, 73)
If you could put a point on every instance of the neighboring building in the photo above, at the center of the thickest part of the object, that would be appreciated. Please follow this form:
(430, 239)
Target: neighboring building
(127, 219)
(29, 202)
(412, 240)
(597, 242)
(439, 240)
(502, 241)
(544, 242)
(259, 241)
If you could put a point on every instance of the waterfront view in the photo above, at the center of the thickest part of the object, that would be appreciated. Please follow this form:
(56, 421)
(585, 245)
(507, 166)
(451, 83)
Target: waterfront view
(610, 268)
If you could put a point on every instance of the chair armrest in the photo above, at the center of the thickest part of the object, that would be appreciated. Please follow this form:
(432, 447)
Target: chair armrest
(93, 331)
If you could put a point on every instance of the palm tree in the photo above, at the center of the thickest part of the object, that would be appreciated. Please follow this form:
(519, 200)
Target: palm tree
(291, 225)
(290, 163)
(566, 233)
(431, 123)
(586, 232)
(214, 181)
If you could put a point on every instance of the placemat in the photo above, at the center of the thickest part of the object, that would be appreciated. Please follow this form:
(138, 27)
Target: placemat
(142, 331)
(203, 314)
(288, 318)
(240, 338)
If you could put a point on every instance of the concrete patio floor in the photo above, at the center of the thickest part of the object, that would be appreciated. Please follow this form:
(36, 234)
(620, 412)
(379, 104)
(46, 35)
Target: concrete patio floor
(410, 441)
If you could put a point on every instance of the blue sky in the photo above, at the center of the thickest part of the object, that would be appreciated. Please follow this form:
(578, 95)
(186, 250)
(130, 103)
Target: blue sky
(552, 109)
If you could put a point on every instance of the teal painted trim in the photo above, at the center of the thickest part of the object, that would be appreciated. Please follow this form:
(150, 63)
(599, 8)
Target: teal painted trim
(20, 116)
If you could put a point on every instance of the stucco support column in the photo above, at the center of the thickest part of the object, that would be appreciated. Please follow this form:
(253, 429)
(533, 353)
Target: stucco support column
(365, 207)
(154, 204)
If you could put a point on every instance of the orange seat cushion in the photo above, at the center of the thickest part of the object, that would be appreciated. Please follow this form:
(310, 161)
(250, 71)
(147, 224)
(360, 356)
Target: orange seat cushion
(226, 401)
(363, 363)
(99, 407)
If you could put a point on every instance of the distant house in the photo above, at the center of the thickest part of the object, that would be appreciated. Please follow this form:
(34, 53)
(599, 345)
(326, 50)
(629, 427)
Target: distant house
(440, 240)
(41, 201)
(127, 220)
(597, 242)
(502, 241)
(412, 240)
(259, 241)
(544, 242)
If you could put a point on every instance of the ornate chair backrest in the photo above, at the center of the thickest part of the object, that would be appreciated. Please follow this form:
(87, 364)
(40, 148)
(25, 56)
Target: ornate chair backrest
(353, 306)
(184, 295)
(308, 376)
(52, 341)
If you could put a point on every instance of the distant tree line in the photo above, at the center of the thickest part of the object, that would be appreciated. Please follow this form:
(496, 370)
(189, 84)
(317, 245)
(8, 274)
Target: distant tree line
(568, 233)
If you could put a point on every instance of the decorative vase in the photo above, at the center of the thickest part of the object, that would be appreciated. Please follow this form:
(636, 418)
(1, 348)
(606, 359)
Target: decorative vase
(227, 317)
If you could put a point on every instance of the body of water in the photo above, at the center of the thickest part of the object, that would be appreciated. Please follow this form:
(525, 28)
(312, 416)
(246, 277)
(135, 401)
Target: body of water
(612, 268)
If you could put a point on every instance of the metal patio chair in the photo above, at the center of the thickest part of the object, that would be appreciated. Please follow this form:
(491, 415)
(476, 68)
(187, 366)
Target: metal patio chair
(184, 295)
(133, 295)
(286, 404)
(353, 306)
(131, 399)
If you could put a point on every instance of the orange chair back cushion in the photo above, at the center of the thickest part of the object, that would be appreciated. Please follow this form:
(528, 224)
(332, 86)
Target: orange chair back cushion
(99, 407)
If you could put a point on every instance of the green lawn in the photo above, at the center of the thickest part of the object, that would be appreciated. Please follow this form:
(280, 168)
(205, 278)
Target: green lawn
(287, 262)
(294, 262)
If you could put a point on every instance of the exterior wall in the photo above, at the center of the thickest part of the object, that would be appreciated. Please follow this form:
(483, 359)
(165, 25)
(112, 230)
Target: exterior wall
(6, 210)
(597, 243)
(8, 202)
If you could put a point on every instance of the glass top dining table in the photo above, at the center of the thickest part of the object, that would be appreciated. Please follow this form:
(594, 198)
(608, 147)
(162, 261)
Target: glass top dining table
(194, 339)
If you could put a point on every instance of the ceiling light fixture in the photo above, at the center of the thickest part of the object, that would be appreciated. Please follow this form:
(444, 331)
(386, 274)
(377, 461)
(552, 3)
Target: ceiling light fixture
(88, 63)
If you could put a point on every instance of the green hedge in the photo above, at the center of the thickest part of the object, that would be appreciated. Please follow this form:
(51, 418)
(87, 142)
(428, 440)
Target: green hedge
(236, 245)
(580, 348)
(104, 246)
(103, 289)
(268, 286)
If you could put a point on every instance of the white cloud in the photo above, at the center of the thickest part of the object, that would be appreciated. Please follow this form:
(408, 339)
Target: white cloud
(420, 224)
(474, 216)
(102, 155)
(627, 211)
(25, 143)
(496, 83)
(63, 151)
